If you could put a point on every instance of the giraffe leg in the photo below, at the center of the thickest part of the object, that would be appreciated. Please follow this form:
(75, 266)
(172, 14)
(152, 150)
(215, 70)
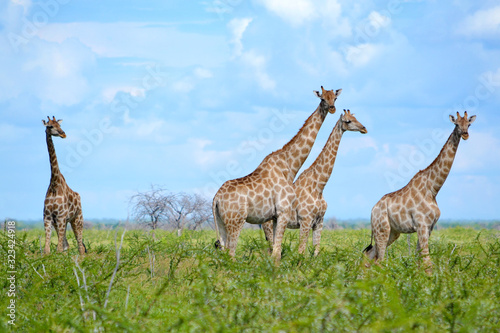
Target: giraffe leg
(423, 232)
(393, 237)
(317, 229)
(281, 225)
(233, 235)
(379, 222)
(47, 222)
(77, 226)
(61, 232)
(65, 244)
(268, 232)
(222, 242)
(305, 228)
(65, 240)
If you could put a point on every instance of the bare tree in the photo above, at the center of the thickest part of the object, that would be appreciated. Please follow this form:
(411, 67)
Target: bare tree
(151, 207)
(187, 211)
(202, 212)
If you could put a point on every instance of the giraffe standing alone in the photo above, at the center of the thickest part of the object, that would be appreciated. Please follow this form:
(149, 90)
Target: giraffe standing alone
(267, 193)
(62, 205)
(414, 207)
(310, 204)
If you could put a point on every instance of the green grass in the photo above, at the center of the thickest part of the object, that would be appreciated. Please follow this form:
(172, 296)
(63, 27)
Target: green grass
(195, 288)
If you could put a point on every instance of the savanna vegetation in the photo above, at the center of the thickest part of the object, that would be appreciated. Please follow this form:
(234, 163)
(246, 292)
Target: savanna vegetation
(183, 284)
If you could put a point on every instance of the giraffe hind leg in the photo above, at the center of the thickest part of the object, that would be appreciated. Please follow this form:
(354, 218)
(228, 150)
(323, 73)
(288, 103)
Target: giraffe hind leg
(65, 244)
(233, 235)
(221, 242)
(77, 226)
(48, 231)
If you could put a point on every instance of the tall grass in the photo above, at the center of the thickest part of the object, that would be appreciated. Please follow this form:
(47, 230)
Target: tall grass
(191, 287)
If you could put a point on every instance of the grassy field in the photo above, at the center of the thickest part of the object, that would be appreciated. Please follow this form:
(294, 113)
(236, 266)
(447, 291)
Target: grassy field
(184, 284)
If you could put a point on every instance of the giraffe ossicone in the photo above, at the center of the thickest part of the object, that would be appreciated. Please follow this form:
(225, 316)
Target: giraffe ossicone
(414, 208)
(62, 205)
(267, 193)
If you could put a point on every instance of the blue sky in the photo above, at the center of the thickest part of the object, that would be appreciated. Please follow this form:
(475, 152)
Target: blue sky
(188, 94)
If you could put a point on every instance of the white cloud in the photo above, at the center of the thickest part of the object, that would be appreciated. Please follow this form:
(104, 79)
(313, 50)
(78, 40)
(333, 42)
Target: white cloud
(183, 85)
(109, 93)
(237, 27)
(356, 143)
(378, 20)
(203, 73)
(257, 63)
(203, 157)
(253, 60)
(480, 152)
(12, 133)
(158, 42)
(483, 23)
(360, 55)
(189, 82)
(52, 72)
(295, 12)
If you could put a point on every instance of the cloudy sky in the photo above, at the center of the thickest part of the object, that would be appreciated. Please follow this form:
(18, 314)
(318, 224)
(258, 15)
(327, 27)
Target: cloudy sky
(189, 94)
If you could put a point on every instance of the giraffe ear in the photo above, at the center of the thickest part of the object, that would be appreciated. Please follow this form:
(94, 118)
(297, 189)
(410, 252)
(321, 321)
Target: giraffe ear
(472, 119)
(44, 123)
(59, 121)
(338, 92)
(452, 118)
(318, 94)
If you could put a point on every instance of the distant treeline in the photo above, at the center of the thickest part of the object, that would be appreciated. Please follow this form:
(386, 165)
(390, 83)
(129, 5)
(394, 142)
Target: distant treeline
(331, 223)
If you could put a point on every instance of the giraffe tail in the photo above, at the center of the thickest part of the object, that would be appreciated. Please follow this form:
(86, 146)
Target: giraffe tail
(215, 212)
(369, 247)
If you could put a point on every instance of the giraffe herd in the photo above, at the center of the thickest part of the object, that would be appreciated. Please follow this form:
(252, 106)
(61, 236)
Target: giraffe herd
(270, 196)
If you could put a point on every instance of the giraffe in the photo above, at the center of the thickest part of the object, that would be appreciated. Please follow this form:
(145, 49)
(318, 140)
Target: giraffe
(62, 205)
(414, 208)
(310, 206)
(267, 193)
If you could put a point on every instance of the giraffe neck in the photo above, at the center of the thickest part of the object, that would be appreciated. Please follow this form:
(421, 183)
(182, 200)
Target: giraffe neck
(320, 171)
(295, 152)
(439, 170)
(54, 166)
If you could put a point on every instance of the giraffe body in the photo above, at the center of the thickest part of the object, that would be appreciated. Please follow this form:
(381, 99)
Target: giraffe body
(268, 193)
(414, 208)
(310, 205)
(62, 204)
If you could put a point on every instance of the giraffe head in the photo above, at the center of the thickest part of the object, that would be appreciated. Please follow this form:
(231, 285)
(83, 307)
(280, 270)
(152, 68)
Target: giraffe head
(53, 127)
(350, 123)
(328, 97)
(463, 124)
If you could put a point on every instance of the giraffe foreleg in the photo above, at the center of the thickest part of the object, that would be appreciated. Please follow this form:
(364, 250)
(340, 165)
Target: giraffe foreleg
(305, 228)
(268, 232)
(47, 223)
(317, 229)
(281, 225)
(423, 232)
